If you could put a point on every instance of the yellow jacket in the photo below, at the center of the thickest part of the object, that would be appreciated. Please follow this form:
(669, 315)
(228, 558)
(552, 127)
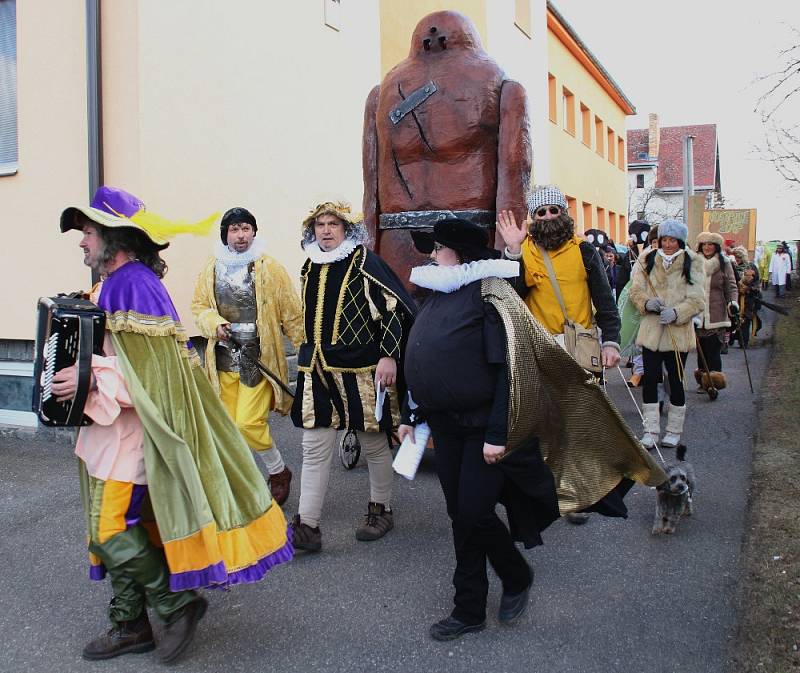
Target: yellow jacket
(571, 276)
(279, 313)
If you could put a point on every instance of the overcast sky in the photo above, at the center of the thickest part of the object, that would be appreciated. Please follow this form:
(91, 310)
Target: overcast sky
(696, 62)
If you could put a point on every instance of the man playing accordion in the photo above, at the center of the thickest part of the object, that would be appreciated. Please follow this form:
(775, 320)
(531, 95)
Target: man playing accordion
(174, 500)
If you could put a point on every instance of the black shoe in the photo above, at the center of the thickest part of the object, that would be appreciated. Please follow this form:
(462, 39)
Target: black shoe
(724, 349)
(180, 631)
(512, 606)
(452, 628)
(125, 638)
(304, 536)
(578, 518)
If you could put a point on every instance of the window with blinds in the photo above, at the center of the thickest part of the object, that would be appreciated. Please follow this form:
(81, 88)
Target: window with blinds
(8, 87)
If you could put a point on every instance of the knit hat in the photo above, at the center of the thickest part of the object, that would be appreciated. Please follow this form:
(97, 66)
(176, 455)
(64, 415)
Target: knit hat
(674, 229)
(235, 216)
(546, 195)
(709, 237)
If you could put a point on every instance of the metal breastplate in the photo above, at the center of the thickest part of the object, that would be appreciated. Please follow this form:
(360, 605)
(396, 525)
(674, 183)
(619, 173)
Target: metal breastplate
(234, 290)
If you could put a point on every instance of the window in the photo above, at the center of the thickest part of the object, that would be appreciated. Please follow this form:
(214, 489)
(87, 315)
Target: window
(640, 181)
(599, 136)
(601, 219)
(571, 203)
(568, 101)
(587, 216)
(640, 215)
(551, 92)
(8, 87)
(586, 125)
(621, 153)
(333, 14)
(611, 145)
(642, 155)
(522, 16)
(612, 225)
(623, 229)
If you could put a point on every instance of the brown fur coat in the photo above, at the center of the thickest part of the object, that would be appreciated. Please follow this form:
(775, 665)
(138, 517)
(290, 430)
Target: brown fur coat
(720, 290)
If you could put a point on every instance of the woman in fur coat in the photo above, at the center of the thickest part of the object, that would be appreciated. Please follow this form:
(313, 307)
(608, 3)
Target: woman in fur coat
(721, 296)
(667, 289)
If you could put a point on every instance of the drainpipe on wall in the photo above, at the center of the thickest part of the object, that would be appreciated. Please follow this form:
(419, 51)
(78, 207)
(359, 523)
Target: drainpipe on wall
(688, 175)
(94, 103)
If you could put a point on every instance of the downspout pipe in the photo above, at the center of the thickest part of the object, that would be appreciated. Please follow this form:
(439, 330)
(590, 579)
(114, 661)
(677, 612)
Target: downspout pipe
(94, 103)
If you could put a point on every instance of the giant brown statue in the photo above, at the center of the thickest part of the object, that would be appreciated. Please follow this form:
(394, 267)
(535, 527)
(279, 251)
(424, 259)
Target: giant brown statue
(445, 133)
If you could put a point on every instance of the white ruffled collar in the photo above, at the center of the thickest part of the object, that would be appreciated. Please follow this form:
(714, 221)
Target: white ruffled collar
(451, 278)
(319, 256)
(231, 258)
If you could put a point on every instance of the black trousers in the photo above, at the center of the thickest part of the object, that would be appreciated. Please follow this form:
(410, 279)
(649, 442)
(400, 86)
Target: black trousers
(472, 489)
(654, 362)
(711, 346)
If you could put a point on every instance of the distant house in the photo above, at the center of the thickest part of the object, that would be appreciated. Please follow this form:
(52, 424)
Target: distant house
(655, 169)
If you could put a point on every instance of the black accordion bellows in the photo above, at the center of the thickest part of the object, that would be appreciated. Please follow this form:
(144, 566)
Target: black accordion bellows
(69, 330)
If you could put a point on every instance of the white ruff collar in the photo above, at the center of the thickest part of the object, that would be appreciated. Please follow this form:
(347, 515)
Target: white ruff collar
(231, 258)
(319, 256)
(451, 278)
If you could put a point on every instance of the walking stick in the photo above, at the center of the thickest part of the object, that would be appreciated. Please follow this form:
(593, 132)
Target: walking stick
(738, 323)
(261, 366)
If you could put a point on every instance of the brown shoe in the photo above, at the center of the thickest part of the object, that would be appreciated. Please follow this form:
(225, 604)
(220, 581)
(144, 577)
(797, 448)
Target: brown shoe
(377, 522)
(634, 380)
(279, 485)
(125, 638)
(304, 536)
(180, 631)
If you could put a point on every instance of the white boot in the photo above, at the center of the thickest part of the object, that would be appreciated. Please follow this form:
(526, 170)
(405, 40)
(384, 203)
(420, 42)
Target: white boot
(675, 419)
(652, 425)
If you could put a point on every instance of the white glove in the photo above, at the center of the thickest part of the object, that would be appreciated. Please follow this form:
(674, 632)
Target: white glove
(653, 305)
(668, 315)
(698, 321)
(733, 307)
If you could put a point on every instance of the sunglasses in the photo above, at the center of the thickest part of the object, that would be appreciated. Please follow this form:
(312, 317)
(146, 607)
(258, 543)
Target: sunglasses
(553, 210)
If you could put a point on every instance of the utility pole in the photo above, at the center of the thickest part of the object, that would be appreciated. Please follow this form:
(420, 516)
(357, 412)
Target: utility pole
(688, 175)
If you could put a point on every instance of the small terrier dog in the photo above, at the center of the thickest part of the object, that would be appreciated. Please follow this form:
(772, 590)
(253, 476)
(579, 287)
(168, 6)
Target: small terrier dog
(674, 496)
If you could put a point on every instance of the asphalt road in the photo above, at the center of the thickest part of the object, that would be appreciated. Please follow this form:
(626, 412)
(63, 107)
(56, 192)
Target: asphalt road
(608, 596)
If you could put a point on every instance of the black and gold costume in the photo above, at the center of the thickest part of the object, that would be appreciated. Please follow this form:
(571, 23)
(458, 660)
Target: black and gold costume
(356, 311)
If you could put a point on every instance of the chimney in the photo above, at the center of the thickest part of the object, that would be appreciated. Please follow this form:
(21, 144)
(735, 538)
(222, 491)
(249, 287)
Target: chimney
(653, 134)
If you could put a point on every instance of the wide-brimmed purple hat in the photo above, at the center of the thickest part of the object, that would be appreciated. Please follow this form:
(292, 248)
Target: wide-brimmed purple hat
(111, 207)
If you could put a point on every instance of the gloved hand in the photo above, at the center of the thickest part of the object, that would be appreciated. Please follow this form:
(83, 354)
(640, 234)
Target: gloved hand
(653, 305)
(668, 315)
(698, 321)
(733, 308)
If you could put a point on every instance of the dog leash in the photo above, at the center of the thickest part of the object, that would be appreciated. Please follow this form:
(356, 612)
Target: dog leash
(641, 415)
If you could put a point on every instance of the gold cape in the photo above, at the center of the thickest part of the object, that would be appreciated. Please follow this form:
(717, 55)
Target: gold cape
(583, 438)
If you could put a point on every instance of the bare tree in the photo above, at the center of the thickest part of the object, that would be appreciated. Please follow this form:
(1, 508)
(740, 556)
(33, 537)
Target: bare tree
(777, 106)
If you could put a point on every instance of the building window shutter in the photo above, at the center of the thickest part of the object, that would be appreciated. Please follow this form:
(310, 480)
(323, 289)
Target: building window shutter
(8, 87)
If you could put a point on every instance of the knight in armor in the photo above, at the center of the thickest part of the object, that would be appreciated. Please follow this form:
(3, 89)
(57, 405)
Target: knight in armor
(243, 304)
(357, 315)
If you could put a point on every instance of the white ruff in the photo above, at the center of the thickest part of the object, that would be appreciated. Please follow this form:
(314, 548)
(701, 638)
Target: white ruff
(319, 256)
(451, 278)
(231, 258)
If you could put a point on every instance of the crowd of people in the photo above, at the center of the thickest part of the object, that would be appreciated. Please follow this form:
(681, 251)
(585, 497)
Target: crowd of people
(174, 498)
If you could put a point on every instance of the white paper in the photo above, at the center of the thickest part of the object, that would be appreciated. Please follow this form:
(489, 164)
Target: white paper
(380, 396)
(410, 453)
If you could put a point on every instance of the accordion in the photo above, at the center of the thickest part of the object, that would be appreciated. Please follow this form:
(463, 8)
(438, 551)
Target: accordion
(69, 331)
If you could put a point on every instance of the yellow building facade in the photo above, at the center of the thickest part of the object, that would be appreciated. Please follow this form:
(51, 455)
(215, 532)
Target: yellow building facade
(257, 104)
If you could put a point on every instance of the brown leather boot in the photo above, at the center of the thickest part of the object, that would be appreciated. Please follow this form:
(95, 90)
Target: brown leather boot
(125, 638)
(279, 485)
(377, 522)
(179, 632)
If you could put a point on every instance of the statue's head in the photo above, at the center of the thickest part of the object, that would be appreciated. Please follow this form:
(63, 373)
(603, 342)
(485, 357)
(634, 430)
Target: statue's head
(440, 32)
